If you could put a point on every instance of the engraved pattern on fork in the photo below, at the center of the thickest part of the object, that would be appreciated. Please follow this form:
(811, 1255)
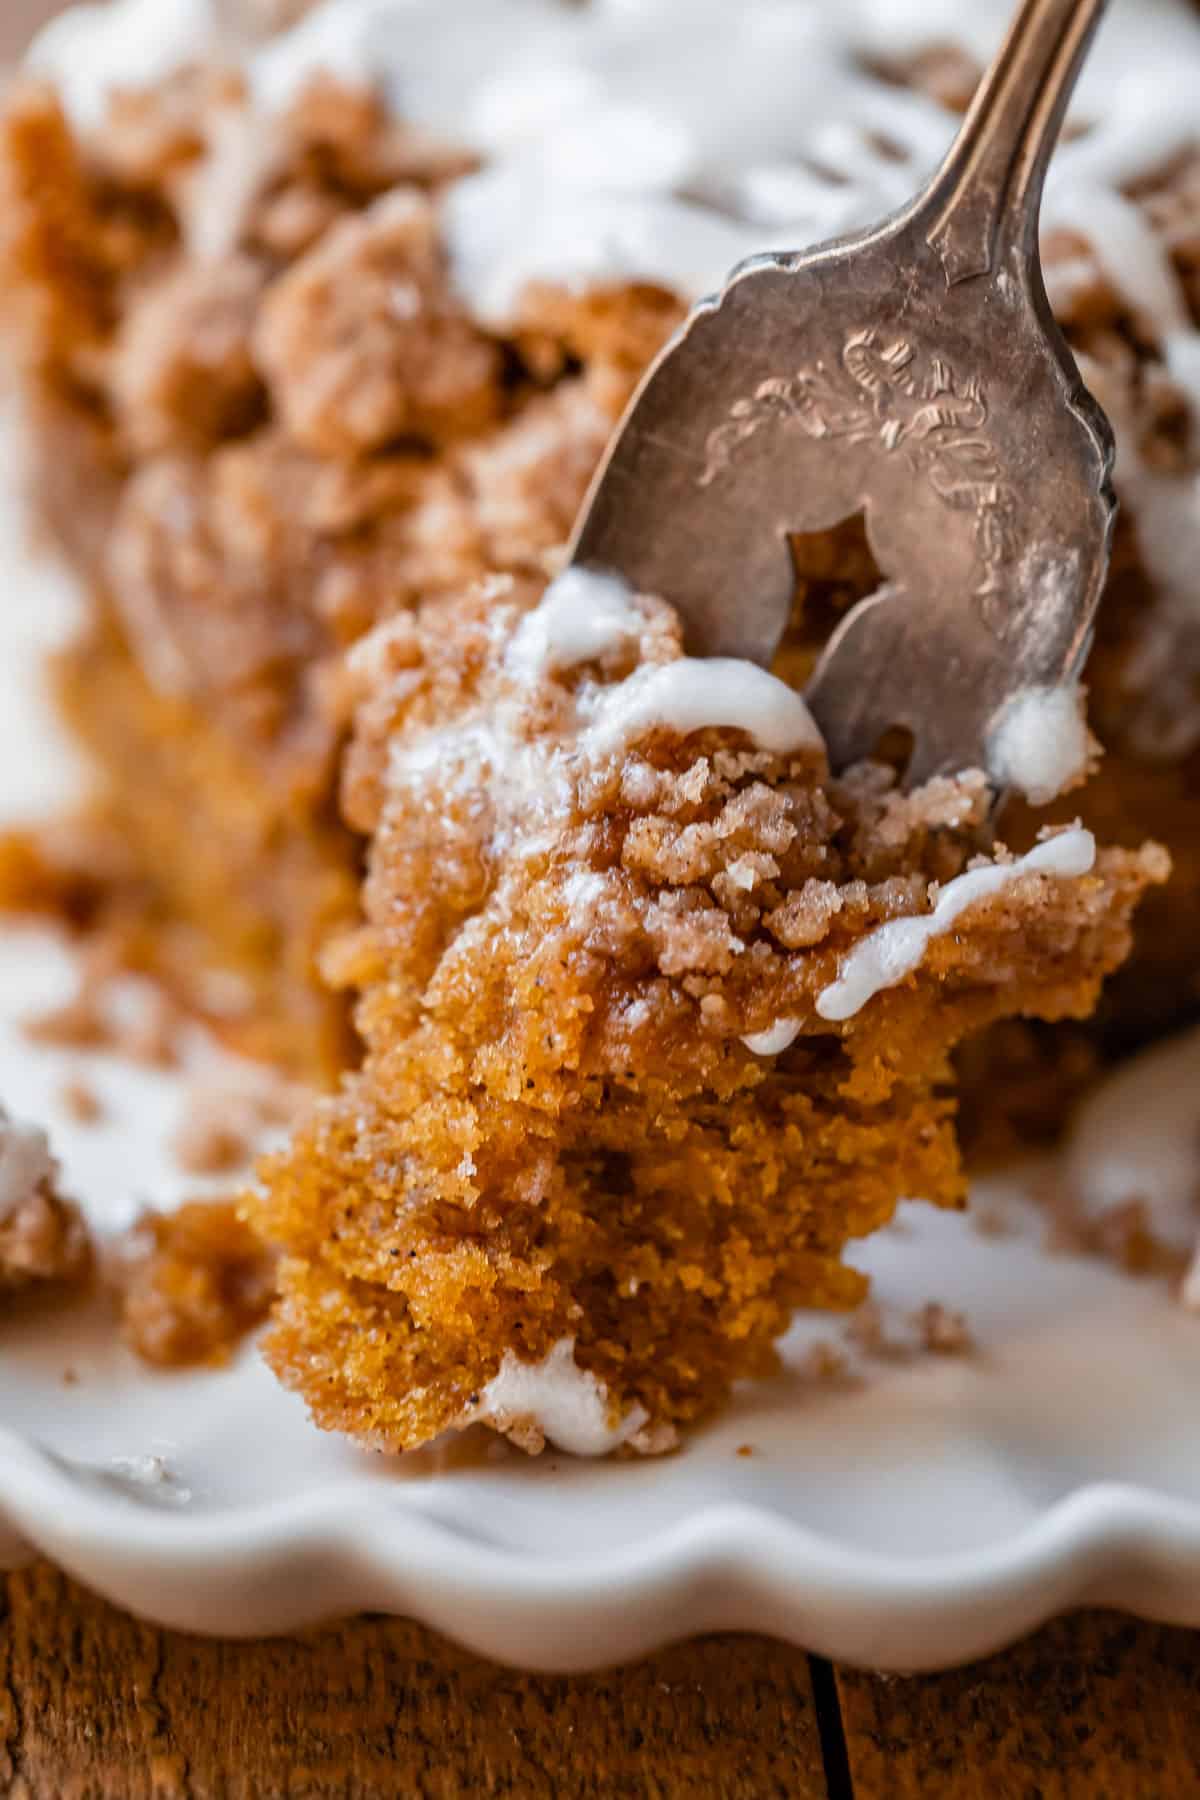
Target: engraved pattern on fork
(914, 374)
(936, 420)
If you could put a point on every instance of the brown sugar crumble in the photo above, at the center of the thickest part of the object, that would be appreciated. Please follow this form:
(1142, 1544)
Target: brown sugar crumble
(226, 1116)
(78, 1024)
(991, 1221)
(315, 500)
(97, 1018)
(44, 1243)
(80, 1101)
(580, 924)
(942, 1330)
(825, 1362)
(865, 1331)
(933, 1329)
(288, 444)
(1122, 1234)
(191, 1284)
(152, 1035)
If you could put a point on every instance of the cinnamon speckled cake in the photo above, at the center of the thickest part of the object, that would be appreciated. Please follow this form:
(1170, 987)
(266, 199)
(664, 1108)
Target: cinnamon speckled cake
(634, 1013)
(657, 1017)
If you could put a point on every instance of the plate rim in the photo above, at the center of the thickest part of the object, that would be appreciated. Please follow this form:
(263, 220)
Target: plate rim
(727, 1566)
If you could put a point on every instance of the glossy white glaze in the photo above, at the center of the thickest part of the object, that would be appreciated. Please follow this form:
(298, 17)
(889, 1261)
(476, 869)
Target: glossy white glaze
(1040, 745)
(775, 1039)
(894, 950)
(665, 139)
(698, 693)
(567, 1403)
(581, 616)
(930, 1514)
(996, 1491)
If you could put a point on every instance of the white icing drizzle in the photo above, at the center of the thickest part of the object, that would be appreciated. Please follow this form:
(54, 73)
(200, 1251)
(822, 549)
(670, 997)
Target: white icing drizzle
(581, 616)
(656, 140)
(25, 1162)
(775, 1040)
(664, 140)
(528, 779)
(567, 1403)
(894, 950)
(1124, 245)
(218, 193)
(532, 778)
(94, 51)
(695, 693)
(1040, 745)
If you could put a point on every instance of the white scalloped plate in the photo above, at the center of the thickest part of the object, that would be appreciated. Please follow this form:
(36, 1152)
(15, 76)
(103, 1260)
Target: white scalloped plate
(929, 1514)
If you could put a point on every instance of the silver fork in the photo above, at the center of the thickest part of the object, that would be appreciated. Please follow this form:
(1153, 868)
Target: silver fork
(912, 373)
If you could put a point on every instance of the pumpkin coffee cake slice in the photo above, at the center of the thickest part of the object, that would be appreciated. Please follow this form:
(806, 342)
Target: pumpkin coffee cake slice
(657, 1014)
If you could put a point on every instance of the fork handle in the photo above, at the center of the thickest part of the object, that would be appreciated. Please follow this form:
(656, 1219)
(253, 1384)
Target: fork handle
(986, 196)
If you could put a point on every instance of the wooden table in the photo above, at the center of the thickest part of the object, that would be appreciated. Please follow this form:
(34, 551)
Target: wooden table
(94, 1706)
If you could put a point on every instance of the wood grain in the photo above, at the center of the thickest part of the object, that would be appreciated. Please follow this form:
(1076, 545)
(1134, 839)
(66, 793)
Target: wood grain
(1093, 1708)
(94, 1706)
